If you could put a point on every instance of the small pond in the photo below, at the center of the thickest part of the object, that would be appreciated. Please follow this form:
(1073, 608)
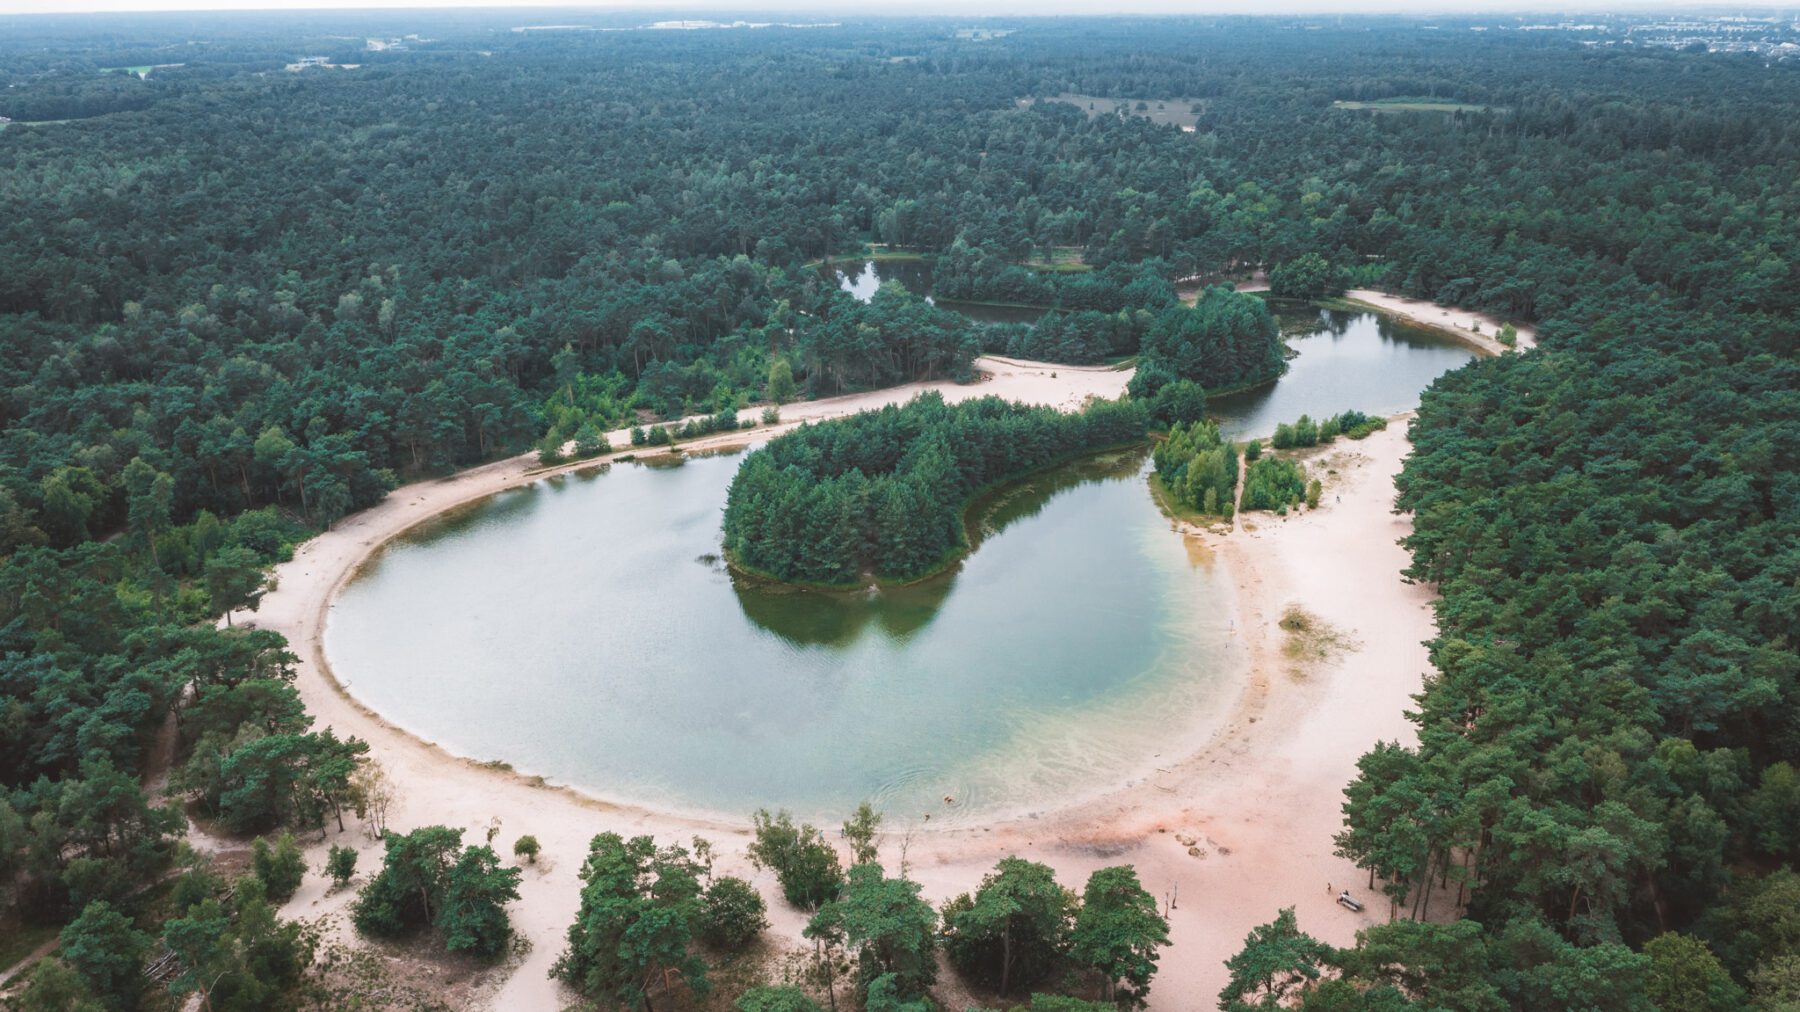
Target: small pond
(862, 277)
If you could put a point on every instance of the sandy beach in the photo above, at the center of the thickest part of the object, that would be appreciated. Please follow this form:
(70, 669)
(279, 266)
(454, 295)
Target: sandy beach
(1227, 834)
(1464, 323)
(1472, 326)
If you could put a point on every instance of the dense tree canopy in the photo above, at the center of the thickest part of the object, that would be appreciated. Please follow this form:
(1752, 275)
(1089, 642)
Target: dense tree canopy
(1198, 468)
(883, 493)
(237, 303)
(639, 904)
(1226, 340)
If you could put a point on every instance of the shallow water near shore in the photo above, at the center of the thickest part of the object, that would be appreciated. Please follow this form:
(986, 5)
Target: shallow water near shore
(583, 628)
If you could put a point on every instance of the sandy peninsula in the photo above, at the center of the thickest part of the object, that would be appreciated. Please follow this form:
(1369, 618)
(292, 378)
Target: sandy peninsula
(1227, 834)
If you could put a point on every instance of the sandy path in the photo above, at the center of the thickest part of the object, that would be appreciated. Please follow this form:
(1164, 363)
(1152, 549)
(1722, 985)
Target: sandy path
(1260, 801)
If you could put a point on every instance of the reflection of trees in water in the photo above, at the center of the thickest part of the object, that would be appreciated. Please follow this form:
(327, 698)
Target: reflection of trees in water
(1398, 331)
(471, 518)
(914, 274)
(838, 618)
(500, 508)
(1302, 319)
(1336, 322)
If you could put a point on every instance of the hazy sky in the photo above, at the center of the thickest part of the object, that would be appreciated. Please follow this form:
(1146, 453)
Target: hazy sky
(967, 7)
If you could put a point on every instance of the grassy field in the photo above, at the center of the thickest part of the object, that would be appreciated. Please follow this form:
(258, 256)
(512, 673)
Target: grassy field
(1162, 111)
(1393, 105)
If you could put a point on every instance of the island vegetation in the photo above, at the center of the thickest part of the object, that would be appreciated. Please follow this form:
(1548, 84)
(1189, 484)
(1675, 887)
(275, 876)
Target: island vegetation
(1227, 340)
(882, 494)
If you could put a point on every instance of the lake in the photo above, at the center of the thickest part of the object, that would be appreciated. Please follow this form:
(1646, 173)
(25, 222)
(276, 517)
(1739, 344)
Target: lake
(1342, 360)
(583, 628)
(862, 277)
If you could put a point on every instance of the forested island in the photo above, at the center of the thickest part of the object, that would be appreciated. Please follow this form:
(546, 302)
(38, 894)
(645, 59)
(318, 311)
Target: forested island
(882, 494)
(239, 302)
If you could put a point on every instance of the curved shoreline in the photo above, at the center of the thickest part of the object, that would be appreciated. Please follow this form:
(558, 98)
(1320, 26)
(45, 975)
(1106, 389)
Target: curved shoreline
(1244, 816)
(431, 785)
(523, 470)
(1454, 321)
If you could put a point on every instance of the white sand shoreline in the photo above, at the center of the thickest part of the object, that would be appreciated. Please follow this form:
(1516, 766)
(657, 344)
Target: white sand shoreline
(1258, 799)
(1473, 327)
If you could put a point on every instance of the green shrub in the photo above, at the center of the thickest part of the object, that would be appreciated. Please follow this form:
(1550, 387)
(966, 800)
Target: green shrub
(731, 914)
(280, 868)
(526, 847)
(340, 864)
(786, 998)
(802, 861)
(1273, 483)
(590, 441)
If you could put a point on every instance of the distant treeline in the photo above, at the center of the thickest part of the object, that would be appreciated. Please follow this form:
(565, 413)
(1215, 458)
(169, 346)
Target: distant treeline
(882, 494)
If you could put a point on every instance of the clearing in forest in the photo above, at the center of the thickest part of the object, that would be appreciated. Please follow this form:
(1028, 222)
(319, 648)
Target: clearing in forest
(1393, 105)
(1181, 112)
